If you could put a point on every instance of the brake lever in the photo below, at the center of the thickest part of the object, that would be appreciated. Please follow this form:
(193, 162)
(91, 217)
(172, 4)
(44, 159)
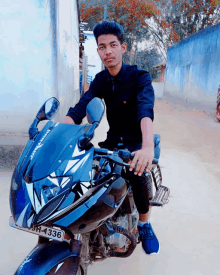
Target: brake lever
(115, 161)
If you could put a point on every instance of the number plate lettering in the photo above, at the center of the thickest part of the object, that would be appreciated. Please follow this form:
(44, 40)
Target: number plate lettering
(43, 231)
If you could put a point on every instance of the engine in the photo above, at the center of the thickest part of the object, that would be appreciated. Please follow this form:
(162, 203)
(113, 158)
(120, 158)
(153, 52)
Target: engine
(129, 222)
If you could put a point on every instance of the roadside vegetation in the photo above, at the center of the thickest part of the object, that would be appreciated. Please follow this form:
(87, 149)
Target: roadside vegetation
(151, 27)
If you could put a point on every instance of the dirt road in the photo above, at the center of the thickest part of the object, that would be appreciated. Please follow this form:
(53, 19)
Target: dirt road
(188, 228)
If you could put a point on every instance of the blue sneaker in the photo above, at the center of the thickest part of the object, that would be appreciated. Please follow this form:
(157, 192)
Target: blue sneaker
(149, 240)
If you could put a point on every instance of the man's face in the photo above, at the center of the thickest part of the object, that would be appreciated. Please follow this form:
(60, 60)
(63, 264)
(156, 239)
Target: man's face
(110, 50)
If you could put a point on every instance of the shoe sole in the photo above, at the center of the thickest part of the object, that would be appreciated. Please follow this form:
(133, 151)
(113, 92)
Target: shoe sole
(153, 253)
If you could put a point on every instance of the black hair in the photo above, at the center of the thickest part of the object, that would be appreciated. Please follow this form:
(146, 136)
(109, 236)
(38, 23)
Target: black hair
(109, 27)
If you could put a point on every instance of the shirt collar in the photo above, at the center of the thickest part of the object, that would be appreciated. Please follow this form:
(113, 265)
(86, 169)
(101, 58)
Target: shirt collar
(120, 76)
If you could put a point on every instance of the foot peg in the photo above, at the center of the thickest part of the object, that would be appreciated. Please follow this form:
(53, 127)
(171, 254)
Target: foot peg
(161, 196)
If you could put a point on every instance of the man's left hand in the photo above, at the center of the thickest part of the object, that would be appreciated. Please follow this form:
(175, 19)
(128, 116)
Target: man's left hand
(142, 158)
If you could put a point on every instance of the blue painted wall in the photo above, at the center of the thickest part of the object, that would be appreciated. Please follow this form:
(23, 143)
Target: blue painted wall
(39, 58)
(193, 68)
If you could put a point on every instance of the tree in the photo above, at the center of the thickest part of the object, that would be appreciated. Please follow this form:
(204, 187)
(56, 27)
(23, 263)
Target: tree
(165, 21)
(147, 59)
(131, 14)
(180, 19)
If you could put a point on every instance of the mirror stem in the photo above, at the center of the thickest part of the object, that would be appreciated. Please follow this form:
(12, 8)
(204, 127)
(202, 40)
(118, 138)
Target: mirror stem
(33, 128)
(83, 141)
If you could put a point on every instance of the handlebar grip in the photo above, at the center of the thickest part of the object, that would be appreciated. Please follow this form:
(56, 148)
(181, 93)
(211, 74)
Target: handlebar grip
(132, 156)
(154, 161)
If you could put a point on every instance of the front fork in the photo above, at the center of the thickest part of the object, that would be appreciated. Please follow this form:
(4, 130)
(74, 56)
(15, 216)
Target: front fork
(76, 243)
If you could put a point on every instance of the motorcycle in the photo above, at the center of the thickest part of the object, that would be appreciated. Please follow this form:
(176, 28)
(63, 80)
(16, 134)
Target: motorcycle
(73, 196)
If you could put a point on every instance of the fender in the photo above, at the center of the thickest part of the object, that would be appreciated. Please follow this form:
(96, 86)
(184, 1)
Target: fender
(52, 257)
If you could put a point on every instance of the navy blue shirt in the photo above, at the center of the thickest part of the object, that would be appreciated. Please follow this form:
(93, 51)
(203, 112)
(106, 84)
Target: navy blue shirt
(128, 97)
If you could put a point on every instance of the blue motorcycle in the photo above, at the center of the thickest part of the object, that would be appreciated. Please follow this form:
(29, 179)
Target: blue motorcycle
(73, 196)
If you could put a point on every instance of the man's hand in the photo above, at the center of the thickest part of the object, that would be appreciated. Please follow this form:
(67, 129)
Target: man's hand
(142, 158)
(68, 120)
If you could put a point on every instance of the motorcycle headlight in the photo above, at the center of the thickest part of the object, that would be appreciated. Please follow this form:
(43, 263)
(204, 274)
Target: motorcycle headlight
(53, 192)
(49, 208)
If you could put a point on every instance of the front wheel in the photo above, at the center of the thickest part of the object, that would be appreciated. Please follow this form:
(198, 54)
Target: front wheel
(52, 258)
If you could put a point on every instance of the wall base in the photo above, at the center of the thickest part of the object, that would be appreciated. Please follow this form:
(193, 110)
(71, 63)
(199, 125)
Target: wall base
(9, 155)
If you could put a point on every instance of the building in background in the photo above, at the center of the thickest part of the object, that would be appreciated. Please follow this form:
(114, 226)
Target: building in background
(90, 62)
(192, 69)
(161, 74)
(94, 61)
(39, 58)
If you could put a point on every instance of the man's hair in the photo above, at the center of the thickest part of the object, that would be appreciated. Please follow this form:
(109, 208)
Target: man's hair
(109, 27)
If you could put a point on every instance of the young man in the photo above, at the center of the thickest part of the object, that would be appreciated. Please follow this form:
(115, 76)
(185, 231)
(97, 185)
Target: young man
(129, 99)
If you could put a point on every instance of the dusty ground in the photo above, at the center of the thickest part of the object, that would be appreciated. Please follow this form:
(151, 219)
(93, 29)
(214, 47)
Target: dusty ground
(188, 228)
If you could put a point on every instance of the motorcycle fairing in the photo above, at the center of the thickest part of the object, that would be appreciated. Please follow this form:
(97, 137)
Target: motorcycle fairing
(28, 198)
(46, 195)
(79, 211)
(53, 148)
(96, 209)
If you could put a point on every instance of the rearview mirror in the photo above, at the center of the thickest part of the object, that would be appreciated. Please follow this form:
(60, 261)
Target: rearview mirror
(49, 109)
(95, 110)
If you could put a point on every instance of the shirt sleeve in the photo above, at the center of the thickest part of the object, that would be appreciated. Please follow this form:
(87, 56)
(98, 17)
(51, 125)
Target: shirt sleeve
(79, 111)
(145, 96)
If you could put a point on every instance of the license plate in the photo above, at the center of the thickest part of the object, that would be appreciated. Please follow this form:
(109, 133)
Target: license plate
(41, 230)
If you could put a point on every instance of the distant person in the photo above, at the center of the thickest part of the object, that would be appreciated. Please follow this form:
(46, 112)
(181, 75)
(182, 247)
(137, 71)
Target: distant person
(129, 99)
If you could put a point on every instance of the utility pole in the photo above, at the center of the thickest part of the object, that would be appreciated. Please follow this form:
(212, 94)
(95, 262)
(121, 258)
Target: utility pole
(105, 13)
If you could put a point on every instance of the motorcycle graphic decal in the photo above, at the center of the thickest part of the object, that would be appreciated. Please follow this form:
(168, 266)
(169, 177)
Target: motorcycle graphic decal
(77, 153)
(59, 212)
(64, 182)
(84, 189)
(82, 161)
(42, 199)
(52, 185)
(58, 267)
(39, 144)
(22, 215)
(38, 205)
(86, 183)
(73, 216)
(54, 180)
(30, 191)
(27, 260)
(29, 221)
(70, 164)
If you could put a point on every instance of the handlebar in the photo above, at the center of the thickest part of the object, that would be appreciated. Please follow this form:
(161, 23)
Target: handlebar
(124, 154)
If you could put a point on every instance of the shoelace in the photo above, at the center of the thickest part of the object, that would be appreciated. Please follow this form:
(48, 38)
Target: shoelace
(147, 231)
